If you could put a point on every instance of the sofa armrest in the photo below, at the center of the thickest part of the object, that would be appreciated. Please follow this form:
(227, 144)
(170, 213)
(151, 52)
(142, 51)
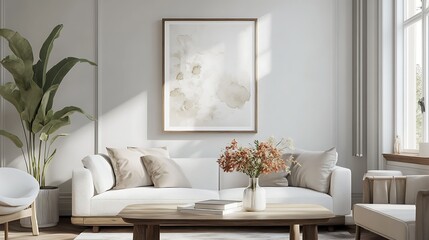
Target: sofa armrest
(341, 190)
(422, 215)
(82, 192)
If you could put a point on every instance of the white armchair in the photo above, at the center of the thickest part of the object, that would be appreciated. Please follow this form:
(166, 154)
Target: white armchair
(18, 190)
(395, 207)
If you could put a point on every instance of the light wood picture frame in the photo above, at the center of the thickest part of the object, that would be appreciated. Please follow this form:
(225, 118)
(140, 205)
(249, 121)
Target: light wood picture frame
(210, 75)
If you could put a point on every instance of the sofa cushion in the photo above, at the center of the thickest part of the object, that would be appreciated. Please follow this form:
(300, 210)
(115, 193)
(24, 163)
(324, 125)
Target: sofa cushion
(393, 221)
(158, 151)
(314, 170)
(277, 179)
(293, 195)
(273, 180)
(164, 172)
(128, 168)
(202, 173)
(101, 171)
(110, 203)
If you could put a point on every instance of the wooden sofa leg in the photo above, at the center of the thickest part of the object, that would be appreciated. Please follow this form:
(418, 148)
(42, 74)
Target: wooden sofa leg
(357, 236)
(95, 229)
(6, 230)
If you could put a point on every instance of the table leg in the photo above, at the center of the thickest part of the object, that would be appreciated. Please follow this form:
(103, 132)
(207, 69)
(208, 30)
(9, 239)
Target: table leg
(146, 232)
(294, 232)
(309, 232)
(139, 232)
(152, 232)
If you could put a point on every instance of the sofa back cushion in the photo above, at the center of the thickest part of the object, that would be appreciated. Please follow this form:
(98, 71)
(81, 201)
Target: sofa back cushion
(314, 169)
(164, 172)
(202, 173)
(128, 168)
(158, 151)
(101, 171)
(232, 180)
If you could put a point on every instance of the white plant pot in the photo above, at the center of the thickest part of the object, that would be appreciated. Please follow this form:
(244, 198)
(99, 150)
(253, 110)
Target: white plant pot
(46, 208)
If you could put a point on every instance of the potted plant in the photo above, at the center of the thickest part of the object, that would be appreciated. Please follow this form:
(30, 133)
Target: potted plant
(32, 94)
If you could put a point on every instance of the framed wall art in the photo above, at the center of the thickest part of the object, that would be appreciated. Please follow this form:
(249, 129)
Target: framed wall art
(210, 75)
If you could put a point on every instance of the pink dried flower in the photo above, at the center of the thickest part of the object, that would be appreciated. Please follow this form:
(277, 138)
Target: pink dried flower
(262, 158)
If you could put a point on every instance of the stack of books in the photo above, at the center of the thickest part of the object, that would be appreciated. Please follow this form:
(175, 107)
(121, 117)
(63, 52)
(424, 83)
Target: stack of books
(213, 207)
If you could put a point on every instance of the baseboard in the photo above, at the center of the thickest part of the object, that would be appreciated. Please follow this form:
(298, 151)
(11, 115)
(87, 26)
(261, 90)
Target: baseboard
(65, 204)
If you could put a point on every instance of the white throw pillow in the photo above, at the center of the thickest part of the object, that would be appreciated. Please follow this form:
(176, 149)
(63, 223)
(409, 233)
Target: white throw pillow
(164, 172)
(128, 168)
(314, 170)
(102, 172)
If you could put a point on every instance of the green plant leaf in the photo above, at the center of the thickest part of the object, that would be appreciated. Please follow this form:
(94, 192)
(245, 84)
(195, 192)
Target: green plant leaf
(12, 137)
(67, 111)
(56, 74)
(46, 49)
(31, 98)
(53, 126)
(9, 92)
(16, 67)
(22, 49)
(49, 159)
(18, 45)
(56, 137)
(38, 73)
(40, 119)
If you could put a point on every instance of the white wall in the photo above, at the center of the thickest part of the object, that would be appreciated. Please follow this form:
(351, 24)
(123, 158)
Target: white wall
(304, 75)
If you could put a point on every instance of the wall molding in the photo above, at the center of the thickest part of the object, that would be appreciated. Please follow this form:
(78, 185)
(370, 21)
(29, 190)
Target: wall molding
(2, 76)
(336, 70)
(98, 74)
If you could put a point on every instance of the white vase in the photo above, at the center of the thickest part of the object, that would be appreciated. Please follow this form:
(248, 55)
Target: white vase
(46, 208)
(254, 198)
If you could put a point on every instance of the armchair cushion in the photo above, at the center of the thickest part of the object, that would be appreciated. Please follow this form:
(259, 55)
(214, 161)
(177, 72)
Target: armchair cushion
(391, 221)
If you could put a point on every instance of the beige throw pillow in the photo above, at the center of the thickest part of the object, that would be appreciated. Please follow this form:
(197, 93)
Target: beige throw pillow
(129, 169)
(164, 172)
(314, 170)
(157, 151)
(277, 179)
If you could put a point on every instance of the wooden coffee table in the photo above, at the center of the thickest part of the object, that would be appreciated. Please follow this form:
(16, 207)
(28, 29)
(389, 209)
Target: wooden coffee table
(148, 218)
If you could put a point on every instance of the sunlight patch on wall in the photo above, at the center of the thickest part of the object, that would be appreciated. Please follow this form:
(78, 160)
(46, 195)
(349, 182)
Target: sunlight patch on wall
(264, 45)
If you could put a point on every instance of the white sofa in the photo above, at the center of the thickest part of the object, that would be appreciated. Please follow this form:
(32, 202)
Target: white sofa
(208, 181)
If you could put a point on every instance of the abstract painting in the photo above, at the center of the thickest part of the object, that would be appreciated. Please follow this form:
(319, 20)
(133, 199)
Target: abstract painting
(209, 75)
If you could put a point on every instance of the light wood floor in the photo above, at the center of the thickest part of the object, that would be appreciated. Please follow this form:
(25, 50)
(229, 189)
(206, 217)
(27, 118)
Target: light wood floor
(67, 231)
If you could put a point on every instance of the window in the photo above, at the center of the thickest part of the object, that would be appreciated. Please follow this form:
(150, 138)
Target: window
(412, 72)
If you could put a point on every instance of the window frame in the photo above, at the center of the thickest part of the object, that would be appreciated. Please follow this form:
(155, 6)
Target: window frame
(400, 68)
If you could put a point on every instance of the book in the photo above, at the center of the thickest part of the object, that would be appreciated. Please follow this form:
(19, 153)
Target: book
(218, 204)
(190, 208)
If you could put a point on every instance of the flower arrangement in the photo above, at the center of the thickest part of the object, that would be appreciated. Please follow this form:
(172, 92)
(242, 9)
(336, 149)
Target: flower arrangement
(261, 158)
